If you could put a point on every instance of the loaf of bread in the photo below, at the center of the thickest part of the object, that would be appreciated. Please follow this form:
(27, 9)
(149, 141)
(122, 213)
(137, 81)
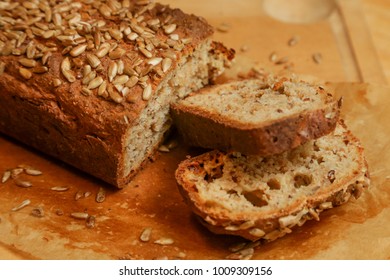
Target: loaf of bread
(265, 197)
(256, 116)
(90, 82)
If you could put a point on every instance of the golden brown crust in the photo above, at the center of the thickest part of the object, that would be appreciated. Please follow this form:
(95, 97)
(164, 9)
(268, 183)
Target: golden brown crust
(66, 117)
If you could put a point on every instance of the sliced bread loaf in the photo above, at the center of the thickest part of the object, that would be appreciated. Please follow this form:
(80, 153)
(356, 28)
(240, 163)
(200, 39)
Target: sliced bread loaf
(264, 197)
(260, 117)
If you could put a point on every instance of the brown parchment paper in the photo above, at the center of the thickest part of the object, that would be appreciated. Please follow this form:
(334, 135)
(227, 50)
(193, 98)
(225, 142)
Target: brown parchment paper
(359, 229)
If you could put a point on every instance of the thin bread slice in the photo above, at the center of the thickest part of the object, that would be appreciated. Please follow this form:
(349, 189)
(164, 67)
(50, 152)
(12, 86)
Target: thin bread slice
(264, 197)
(255, 116)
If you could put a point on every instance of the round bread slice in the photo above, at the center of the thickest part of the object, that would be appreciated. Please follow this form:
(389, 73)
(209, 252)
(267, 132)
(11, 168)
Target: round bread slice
(256, 117)
(264, 197)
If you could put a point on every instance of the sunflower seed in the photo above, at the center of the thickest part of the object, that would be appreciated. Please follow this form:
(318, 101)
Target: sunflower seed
(317, 58)
(133, 80)
(174, 37)
(78, 195)
(90, 222)
(21, 205)
(164, 241)
(116, 34)
(147, 93)
(57, 82)
(146, 53)
(273, 57)
(86, 91)
(293, 41)
(237, 247)
(163, 149)
(60, 188)
(95, 83)
(88, 78)
(26, 62)
(117, 53)
(166, 64)
(125, 91)
(102, 88)
(114, 95)
(48, 34)
(168, 29)
(132, 36)
(93, 60)
(40, 69)
(87, 194)
(257, 232)
(281, 60)
(154, 61)
(112, 70)
(223, 27)
(37, 212)
(16, 171)
(69, 76)
(120, 80)
(79, 215)
(26, 74)
(145, 235)
(59, 212)
(103, 50)
(101, 195)
(6, 176)
(76, 51)
(121, 67)
(33, 172)
(23, 183)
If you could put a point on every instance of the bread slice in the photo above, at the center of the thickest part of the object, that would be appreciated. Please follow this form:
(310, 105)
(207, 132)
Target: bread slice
(90, 82)
(255, 116)
(264, 197)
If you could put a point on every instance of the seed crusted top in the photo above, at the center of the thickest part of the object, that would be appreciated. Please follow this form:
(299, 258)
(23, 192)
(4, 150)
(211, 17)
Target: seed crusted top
(107, 49)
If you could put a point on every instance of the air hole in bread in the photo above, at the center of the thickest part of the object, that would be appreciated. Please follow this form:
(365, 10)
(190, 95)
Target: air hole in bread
(214, 173)
(320, 160)
(256, 198)
(273, 184)
(301, 179)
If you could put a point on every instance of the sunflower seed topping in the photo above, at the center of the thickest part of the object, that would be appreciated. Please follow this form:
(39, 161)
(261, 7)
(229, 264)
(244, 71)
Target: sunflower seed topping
(22, 183)
(33, 171)
(166, 64)
(168, 29)
(112, 70)
(120, 80)
(145, 235)
(93, 60)
(26, 74)
(147, 93)
(26, 62)
(60, 188)
(6, 176)
(154, 61)
(79, 215)
(164, 241)
(317, 58)
(117, 53)
(95, 83)
(21, 205)
(76, 51)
